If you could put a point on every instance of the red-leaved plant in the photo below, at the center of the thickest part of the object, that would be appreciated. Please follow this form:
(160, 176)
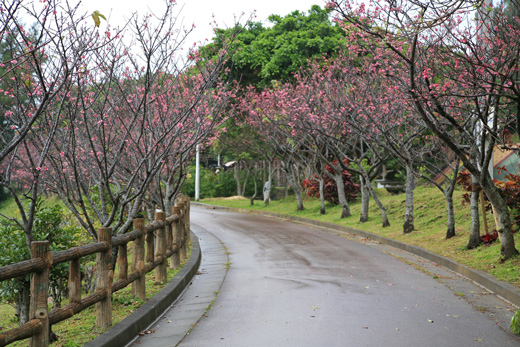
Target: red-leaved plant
(330, 191)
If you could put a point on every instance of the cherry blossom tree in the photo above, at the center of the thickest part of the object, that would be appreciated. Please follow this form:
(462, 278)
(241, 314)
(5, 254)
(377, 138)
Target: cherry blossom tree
(44, 62)
(372, 110)
(271, 112)
(96, 118)
(461, 76)
(133, 119)
(440, 167)
(326, 122)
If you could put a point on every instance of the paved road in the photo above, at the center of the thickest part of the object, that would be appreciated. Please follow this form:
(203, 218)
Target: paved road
(294, 285)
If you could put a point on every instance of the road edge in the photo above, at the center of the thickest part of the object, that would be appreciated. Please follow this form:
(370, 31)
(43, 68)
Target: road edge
(127, 330)
(503, 289)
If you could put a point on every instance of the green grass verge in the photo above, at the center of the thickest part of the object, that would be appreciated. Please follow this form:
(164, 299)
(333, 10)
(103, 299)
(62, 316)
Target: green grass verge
(430, 226)
(81, 328)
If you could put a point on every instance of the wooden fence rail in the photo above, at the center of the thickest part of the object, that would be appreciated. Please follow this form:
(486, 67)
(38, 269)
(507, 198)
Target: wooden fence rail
(153, 244)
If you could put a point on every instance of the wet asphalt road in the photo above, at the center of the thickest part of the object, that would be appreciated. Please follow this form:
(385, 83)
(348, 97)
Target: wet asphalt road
(293, 285)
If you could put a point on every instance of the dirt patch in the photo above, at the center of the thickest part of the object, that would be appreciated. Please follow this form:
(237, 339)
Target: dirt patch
(236, 197)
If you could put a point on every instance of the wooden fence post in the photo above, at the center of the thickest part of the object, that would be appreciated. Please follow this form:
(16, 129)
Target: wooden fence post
(139, 285)
(74, 281)
(122, 261)
(169, 237)
(105, 276)
(186, 229)
(161, 270)
(187, 221)
(39, 293)
(150, 245)
(175, 260)
(182, 232)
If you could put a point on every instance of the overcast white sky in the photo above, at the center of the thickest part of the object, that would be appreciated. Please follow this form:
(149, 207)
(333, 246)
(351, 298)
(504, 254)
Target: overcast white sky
(199, 12)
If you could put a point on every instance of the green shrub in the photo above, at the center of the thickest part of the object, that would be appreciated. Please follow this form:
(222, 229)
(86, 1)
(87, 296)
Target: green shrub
(50, 224)
(218, 184)
(515, 323)
(221, 184)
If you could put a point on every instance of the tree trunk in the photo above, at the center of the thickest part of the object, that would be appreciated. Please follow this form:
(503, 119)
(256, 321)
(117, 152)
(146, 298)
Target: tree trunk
(292, 178)
(322, 196)
(167, 201)
(448, 193)
(384, 216)
(244, 185)
(23, 303)
(256, 185)
(237, 180)
(345, 209)
(384, 172)
(267, 193)
(408, 225)
(365, 201)
(507, 247)
(474, 236)
(451, 216)
(150, 210)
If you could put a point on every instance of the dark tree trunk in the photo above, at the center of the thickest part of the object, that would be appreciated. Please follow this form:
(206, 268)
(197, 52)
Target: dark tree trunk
(255, 184)
(408, 225)
(345, 208)
(507, 241)
(365, 201)
(384, 216)
(267, 194)
(448, 193)
(292, 178)
(23, 303)
(322, 197)
(474, 236)
(450, 232)
(237, 180)
(52, 336)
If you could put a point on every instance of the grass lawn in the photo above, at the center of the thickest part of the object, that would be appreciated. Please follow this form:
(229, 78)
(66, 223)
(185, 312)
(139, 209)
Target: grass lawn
(81, 328)
(430, 226)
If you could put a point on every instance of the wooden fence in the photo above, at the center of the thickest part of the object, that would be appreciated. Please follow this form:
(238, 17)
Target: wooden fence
(153, 244)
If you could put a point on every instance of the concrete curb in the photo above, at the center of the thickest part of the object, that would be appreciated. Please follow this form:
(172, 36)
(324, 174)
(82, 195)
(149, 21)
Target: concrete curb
(127, 330)
(503, 289)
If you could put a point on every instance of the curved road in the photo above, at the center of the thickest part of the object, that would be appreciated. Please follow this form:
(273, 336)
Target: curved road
(294, 285)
